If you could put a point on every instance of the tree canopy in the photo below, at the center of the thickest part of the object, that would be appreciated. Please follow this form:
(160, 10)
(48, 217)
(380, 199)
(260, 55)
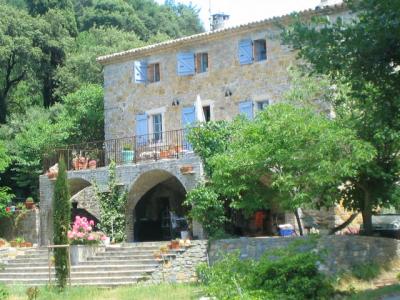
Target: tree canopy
(361, 57)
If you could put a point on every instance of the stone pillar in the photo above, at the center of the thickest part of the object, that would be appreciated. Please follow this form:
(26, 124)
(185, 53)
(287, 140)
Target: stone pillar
(46, 210)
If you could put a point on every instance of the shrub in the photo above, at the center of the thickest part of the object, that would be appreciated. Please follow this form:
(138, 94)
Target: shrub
(290, 273)
(61, 221)
(366, 272)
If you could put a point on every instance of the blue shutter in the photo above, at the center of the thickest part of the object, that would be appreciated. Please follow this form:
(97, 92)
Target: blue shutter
(246, 109)
(246, 52)
(140, 71)
(188, 119)
(141, 129)
(185, 65)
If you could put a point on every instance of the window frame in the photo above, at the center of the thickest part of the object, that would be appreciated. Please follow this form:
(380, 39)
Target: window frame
(257, 56)
(199, 57)
(152, 74)
(150, 124)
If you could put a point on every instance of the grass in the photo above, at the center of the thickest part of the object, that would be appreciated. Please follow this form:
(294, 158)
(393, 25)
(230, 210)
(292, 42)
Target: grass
(136, 292)
(392, 290)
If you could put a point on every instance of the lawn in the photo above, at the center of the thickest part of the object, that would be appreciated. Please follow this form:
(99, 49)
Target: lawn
(137, 292)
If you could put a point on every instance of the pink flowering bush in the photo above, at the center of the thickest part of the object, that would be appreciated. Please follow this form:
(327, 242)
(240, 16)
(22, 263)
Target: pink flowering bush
(82, 233)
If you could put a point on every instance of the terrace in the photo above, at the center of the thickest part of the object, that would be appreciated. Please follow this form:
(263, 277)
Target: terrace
(129, 150)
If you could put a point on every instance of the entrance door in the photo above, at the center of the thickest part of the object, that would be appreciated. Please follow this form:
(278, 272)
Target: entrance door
(188, 119)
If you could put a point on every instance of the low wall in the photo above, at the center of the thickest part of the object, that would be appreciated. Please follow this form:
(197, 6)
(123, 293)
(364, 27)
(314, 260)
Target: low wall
(342, 252)
(27, 227)
(183, 267)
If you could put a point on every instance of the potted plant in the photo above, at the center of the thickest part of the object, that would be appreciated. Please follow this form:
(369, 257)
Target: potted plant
(29, 203)
(13, 243)
(2, 243)
(127, 154)
(19, 241)
(175, 244)
(93, 156)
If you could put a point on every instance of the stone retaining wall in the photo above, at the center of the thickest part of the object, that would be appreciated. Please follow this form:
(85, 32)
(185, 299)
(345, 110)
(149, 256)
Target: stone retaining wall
(183, 267)
(27, 226)
(342, 252)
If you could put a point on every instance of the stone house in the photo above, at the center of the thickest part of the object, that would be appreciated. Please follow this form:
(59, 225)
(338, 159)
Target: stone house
(150, 98)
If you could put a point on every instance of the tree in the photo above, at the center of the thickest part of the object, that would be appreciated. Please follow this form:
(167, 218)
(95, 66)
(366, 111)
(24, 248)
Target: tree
(112, 207)
(61, 223)
(363, 56)
(5, 195)
(81, 67)
(19, 52)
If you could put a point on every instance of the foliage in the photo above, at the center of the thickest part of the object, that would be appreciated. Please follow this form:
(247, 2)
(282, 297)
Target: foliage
(82, 114)
(81, 67)
(61, 221)
(82, 233)
(287, 273)
(209, 139)
(5, 195)
(366, 271)
(291, 154)
(30, 136)
(112, 207)
(361, 55)
(207, 208)
(19, 54)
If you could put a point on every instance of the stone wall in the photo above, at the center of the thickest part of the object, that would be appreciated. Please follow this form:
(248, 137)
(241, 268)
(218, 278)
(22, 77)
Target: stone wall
(183, 267)
(27, 226)
(342, 252)
(137, 178)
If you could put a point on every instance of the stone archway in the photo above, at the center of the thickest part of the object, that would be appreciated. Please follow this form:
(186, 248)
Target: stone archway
(151, 187)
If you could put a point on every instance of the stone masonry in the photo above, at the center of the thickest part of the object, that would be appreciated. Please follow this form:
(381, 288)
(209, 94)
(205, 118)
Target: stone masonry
(137, 178)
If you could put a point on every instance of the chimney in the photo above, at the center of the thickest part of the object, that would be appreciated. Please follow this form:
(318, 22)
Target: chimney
(218, 21)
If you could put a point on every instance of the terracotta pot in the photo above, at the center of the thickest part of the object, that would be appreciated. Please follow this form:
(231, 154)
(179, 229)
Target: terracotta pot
(187, 169)
(52, 175)
(82, 163)
(92, 164)
(164, 154)
(2, 243)
(75, 163)
(13, 244)
(29, 205)
(28, 244)
(175, 245)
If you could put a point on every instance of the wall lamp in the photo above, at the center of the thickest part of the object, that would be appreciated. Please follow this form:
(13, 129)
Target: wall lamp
(228, 93)
(175, 102)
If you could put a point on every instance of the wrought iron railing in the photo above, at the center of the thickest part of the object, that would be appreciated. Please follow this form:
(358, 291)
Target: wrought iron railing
(163, 145)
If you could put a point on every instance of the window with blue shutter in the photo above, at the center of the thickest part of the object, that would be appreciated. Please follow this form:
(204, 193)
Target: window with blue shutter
(140, 71)
(246, 109)
(188, 119)
(185, 64)
(246, 52)
(141, 129)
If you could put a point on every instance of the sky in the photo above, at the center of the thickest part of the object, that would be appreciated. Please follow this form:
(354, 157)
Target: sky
(244, 11)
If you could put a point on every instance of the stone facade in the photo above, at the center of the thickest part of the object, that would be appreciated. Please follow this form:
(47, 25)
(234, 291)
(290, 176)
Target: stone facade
(223, 86)
(183, 267)
(137, 178)
(342, 252)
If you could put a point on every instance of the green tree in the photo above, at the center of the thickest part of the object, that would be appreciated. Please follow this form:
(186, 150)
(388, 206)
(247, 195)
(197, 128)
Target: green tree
(81, 67)
(19, 53)
(112, 207)
(5, 195)
(61, 223)
(363, 56)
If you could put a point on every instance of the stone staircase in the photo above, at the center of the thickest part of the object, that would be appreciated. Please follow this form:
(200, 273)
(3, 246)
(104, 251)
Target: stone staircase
(117, 265)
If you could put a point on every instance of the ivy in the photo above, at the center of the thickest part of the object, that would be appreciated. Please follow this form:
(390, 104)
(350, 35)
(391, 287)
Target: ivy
(112, 207)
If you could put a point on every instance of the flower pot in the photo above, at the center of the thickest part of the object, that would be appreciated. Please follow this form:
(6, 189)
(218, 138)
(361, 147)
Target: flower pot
(28, 244)
(13, 244)
(2, 243)
(80, 253)
(127, 156)
(29, 205)
(92, 164)
(187, 169)
(164, 154)
(82, 163)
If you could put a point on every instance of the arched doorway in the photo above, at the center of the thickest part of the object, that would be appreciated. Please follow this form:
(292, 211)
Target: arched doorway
(156, 210)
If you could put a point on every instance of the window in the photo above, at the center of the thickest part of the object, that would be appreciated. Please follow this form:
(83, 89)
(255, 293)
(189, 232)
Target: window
(157, 127)
(153, 72)
(201, 62)
(261, 105)
(260, 50)
(207, 113)
(250, 51)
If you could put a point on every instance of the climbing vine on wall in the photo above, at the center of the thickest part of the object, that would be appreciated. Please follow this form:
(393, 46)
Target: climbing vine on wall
(112, 207)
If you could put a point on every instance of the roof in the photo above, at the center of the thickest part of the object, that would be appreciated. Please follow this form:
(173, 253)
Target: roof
(146, 50)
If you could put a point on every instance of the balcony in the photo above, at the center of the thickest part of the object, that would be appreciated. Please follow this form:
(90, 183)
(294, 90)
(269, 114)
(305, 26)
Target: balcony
(130, 150)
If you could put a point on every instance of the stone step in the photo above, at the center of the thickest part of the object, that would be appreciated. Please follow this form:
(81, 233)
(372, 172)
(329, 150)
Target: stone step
(77, 274)
(116, 256)
(105, 261)
(137, 248)
(127, 252)
(82, 267)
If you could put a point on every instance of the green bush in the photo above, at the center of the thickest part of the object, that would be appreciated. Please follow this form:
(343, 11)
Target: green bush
(290, 273)
(366, 272)
(4, 293)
